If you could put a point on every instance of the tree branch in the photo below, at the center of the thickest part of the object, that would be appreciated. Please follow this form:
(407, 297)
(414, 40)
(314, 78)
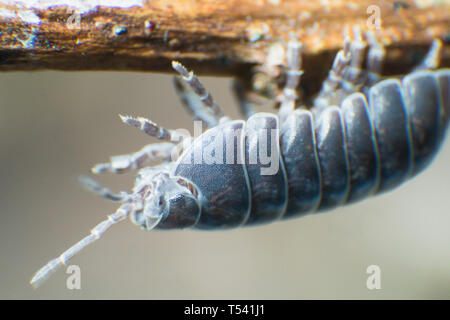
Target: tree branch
(217, 37)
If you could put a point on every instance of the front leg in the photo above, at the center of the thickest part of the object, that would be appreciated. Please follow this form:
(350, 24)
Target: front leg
(137, 160)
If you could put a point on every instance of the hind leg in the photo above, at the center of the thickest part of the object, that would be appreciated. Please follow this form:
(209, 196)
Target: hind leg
(331, 87)
(432, 59)
(375, 58)
(348, 73)
(289, 95)
(354, 74)
(246, 107)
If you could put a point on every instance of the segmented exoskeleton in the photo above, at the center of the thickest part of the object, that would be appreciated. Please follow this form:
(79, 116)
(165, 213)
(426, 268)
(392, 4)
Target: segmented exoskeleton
(363, 136)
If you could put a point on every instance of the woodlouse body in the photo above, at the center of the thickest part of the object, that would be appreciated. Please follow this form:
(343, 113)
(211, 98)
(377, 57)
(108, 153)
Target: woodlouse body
(362, 137)
(343, 155)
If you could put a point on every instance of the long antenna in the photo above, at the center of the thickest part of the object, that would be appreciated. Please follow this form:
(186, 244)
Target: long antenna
(46, 271)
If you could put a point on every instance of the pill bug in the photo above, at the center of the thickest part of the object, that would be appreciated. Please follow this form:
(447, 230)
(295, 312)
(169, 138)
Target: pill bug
(363, 136)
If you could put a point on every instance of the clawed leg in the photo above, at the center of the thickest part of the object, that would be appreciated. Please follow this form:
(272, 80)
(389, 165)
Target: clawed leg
(354, 74)
(294, 63)
(137, 160)
(192, 104)
(330, 94)
(206, 111)
(432, 59)
(245, 105)
(151, 152)
(103, 192)
(348, 74)
(152, 129)
(375, 58)
(204, 96)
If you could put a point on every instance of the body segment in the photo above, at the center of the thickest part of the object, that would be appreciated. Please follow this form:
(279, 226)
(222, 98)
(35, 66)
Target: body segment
(298, 147)
(224, 192)
(362, 148)
(265, 169)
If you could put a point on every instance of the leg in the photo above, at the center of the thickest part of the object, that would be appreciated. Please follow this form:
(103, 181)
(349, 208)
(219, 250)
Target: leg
(137, 160)
(152, 129)
(193, 105)
(245, 106)
(329, 94)
(289, 95)
(375, 59)
(354, 75)
(200, 91)
(432, 59)
(103, 192)
(348, 75)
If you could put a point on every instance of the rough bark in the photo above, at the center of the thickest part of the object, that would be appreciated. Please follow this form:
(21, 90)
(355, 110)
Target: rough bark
(216, 37)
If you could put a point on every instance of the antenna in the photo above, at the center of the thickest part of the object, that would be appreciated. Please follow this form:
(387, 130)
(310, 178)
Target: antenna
(46, 271)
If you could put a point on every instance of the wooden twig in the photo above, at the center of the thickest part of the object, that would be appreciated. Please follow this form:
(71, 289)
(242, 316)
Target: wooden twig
(217, 37)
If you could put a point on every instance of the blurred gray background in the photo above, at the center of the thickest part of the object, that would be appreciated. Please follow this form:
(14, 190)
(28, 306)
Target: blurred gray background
(54, 126)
